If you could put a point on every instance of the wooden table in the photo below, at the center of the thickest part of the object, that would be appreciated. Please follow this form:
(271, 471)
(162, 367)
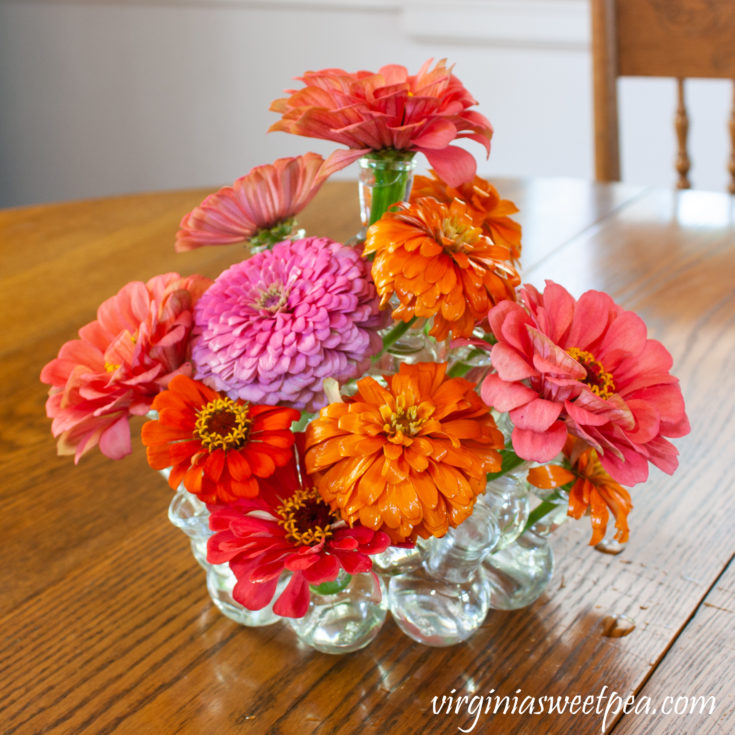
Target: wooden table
(106, 623)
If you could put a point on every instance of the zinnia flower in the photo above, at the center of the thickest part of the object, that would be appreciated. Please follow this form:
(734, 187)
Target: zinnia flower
(592, 489)
(439, 264)
(219, 448)
(410, 458)
(389, 110)
(259, 205)
(272, 328)
(484, 204)
(585, 367)
(138, 342)
(287, 530)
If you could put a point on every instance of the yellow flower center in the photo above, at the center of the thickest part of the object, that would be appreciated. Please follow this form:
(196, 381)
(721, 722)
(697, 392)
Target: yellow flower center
(404, 421)
(273, 298)
(111, 366)
(598, 380)
(223, 424)
(457, 235)
(306, 518)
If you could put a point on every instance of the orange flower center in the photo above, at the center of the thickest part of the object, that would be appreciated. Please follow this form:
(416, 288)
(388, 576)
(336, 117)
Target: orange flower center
(273, 298)
(599, 381)
(405, 421)
(223, 424)
(306, 518)
(590, 467)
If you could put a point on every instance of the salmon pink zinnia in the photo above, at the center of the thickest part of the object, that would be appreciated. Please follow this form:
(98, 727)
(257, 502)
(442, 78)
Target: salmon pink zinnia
(389, 111)
(265, 199)
(138, 342)
(586, 367)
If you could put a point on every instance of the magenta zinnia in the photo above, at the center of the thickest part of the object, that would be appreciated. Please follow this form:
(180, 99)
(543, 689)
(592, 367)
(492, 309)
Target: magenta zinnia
(389, 111)
(137, 344)
(272, 328)
(266, 199)
(287, 530)
(586, 367)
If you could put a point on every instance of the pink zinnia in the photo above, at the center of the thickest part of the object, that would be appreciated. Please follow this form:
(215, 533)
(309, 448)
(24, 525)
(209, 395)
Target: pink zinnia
(389, 110)
(273, 327)
(138, 342)
(266, 198)
(287, 529)
(584, 366)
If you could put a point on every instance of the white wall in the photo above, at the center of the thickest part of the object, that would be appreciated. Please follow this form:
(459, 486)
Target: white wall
(100, 97)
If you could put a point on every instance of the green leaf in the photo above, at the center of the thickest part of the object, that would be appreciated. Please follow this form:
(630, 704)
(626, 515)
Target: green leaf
(331, 588)
(509, 461)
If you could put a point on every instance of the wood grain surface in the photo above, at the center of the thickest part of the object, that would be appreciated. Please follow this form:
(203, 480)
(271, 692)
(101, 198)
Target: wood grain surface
(105, 619)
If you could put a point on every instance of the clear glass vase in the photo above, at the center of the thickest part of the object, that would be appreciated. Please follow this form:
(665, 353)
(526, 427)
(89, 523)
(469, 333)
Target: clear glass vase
(346, 620)
(446, 599)
(518, 572)
(190, 515)
(386, 177)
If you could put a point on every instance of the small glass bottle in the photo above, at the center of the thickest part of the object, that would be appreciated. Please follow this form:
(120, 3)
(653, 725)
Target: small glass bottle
(220, 583)
(445, 601)
(506, 498)
(347, 619)
(519, 572)
(190, 515)
(386, 177)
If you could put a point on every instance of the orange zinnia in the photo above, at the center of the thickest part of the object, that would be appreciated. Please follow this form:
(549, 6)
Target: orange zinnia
(486, 207)
(439, 264)
(593, 489)
(219, 448)
(408, 459)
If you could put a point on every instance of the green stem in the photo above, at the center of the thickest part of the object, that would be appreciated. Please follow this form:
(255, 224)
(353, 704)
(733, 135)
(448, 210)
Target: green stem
(544, 508)
(393, 336)
(509, 460)
(460, 369)
(390, 182)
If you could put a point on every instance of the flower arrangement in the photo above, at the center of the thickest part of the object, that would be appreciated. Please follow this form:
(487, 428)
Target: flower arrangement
(327, 412)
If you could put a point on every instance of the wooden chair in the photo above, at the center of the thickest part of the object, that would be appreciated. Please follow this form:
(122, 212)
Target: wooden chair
(658, 38)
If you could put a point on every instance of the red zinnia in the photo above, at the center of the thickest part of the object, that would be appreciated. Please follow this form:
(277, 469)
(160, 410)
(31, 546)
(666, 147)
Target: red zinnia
(288, 528)
(219, 448)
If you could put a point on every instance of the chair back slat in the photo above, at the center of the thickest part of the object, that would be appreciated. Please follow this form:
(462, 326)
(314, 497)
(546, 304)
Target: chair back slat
(731, 125)
(681, 124)
(658, 38)
(676, 38)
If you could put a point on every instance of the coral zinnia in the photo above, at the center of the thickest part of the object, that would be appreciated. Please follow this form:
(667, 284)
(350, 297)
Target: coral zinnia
(593, 488)
(138, 342)
(585, 367)
(287, 529)
(259, 205)
(273, 327)
(484, 204)
(439, 264)
(389, 110)
(219, 448)
(410, 458)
